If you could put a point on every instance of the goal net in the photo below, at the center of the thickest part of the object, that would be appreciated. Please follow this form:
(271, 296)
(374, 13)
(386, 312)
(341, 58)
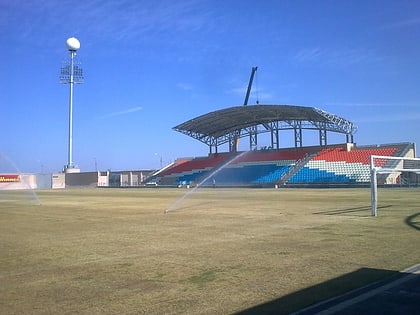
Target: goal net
(389, 170)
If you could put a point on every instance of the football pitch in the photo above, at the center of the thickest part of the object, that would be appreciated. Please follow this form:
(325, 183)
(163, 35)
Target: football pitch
(218, 251)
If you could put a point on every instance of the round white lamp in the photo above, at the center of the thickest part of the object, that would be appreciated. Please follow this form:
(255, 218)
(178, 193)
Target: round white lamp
(73, 44)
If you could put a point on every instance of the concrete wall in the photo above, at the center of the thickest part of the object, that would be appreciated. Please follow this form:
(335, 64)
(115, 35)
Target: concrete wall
(103, 179)
(43, 181)
(22, 181)
(58, 181)
(73, 180)
(86, 179)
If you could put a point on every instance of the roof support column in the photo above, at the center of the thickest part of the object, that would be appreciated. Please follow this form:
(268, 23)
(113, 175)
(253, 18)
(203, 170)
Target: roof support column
(323, 136)
(349, 138)
(298, 133)
(234, 140)
(212, 143)
(232, 144)
(253, 137)
(274, 131)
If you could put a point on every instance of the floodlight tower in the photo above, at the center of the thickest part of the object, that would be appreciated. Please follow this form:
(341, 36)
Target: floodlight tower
(71, 73)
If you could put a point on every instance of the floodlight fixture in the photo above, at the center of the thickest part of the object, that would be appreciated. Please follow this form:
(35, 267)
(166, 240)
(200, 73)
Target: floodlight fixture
(73, 44)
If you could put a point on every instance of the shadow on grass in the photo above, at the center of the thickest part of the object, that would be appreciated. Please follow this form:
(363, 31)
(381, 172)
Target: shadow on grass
(351, 210)
(323, 292)
(413, 221)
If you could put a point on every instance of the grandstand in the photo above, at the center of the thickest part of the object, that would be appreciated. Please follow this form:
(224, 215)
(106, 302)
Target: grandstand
(320, 165)
(323, 164)
(293, 166)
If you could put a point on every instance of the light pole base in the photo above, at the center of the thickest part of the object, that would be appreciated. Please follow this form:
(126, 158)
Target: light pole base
(71, 169)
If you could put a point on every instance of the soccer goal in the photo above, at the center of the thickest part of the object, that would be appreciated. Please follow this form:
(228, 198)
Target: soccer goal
(389, 170)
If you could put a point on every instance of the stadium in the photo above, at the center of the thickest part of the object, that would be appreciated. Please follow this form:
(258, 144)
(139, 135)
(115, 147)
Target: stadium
(304, 165)
(241, 244)
(182, 199)
(317, 165)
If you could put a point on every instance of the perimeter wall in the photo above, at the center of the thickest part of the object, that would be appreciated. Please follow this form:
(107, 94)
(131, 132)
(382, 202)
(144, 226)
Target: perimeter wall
(25, 181)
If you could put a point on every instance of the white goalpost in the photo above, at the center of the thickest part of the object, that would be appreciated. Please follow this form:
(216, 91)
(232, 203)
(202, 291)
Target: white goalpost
(389, 169)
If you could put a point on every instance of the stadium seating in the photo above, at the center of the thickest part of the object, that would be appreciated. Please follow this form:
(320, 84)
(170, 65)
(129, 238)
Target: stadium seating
(334, 164)
(337, 165)
(196, 164)
(274, 155)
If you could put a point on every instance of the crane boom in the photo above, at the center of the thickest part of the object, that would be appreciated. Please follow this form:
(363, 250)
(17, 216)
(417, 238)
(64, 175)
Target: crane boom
(248, 91)
(235, 143)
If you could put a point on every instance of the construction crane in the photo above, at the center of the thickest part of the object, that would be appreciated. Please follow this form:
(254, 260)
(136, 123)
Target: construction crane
(248, 91)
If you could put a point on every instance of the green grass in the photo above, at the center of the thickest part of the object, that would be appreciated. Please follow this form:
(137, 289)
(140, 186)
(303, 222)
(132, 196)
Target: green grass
(220, 251)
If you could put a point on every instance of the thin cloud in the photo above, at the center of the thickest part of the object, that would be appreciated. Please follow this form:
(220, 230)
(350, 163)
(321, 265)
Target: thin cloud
(389, 118)
(237, 91)
(184, 86)
(256, 95)
(413, 22)
(309, 55)
(121, 20)
(334, 57)
(374, 105)
(123, 112)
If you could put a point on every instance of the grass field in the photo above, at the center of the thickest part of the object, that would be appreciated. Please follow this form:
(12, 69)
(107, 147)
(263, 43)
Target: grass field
(221, 251)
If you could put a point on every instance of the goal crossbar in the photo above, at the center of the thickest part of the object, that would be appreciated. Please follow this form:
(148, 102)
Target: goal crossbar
(382, 169)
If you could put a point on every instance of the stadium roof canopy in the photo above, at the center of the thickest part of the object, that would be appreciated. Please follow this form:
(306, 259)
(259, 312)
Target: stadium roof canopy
(229, 124)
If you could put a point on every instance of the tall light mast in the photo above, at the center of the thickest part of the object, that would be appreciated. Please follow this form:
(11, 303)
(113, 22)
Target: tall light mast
(71, 73)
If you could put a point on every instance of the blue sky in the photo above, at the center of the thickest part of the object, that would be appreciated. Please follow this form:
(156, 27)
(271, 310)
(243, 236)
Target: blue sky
(151, 65)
